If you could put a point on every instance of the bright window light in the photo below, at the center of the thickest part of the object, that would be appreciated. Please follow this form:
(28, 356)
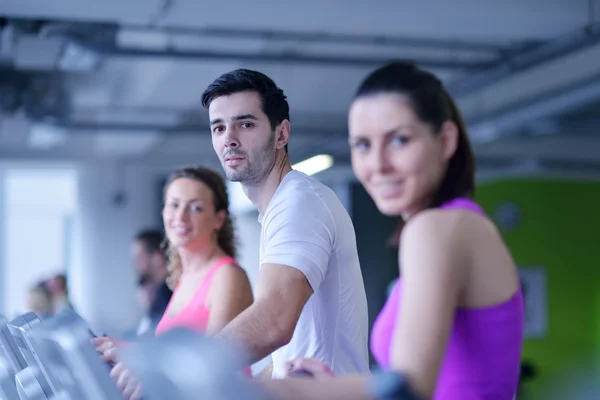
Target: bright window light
(315, 164)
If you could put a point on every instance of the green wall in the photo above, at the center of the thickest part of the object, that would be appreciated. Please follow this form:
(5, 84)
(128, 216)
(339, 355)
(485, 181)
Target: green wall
(559, 229)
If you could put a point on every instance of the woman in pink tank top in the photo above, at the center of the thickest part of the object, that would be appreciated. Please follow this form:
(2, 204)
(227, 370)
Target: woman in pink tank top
(452, 328)
(209, 287)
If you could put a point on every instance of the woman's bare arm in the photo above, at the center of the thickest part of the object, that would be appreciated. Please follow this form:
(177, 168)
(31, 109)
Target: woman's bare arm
(434, 265)
(229, 295)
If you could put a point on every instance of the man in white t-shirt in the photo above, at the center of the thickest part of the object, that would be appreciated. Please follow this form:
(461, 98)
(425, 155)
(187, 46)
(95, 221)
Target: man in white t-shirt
(310, 298)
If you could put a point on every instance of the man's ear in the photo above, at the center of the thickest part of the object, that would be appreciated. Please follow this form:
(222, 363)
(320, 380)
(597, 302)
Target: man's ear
(282, 134)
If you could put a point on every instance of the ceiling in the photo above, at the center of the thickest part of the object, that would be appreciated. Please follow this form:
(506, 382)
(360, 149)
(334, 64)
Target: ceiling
(122, 80)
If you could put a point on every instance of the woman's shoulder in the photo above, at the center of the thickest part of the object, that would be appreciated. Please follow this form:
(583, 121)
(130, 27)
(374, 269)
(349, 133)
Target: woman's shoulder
(230, 279)
(229, 270)
(431, 230)
(448, 223)
(437, 222)
(448, 232)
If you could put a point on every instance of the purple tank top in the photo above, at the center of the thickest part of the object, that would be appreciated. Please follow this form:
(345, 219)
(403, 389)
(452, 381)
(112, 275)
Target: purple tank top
(483, 355)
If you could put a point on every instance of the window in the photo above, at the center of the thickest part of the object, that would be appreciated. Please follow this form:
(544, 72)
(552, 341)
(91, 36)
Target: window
(39, 211)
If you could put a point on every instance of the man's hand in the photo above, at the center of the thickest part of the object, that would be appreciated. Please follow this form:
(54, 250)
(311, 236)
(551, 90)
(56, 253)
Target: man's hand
(314, 367)
(269, 323)
(266, 373)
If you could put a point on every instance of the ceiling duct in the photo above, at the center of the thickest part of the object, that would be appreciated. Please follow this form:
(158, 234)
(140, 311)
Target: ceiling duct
(12, 85)
(44, 46)
(46, 100)
(41, 96)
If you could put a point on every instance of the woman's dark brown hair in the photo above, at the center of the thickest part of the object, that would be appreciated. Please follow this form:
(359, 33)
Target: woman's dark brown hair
(225, 236)
(433, 105)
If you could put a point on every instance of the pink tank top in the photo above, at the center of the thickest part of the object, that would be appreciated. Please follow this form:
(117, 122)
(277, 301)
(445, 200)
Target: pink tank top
(195, 314)
(483, 355)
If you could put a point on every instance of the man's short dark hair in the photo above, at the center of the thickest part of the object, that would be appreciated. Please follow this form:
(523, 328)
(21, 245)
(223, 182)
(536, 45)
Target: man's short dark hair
(152, 239)
(273, 101)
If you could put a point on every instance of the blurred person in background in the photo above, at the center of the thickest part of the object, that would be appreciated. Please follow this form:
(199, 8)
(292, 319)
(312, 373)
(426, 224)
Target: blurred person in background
(209, 287)
(59, 291)
(145, 293)
(150, 264)
(39, 300)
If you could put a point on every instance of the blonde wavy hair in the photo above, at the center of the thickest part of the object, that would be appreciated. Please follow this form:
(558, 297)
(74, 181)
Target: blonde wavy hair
(226, 235)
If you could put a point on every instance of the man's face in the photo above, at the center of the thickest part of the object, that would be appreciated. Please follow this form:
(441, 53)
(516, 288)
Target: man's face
(242, 137)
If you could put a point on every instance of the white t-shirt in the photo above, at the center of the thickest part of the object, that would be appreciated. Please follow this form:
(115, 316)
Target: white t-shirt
(305, 226)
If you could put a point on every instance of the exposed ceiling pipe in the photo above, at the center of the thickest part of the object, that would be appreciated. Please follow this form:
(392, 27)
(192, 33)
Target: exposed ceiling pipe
(141, 127)
(174, 120)
(570, 43)
(92, 126)
(324, 37)
(282, 57)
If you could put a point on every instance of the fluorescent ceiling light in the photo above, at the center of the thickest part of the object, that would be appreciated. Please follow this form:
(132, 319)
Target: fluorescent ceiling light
(240, 204)
(315, 164)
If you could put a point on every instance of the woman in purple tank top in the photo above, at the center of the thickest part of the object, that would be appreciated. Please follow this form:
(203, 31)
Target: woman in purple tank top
(452, 329)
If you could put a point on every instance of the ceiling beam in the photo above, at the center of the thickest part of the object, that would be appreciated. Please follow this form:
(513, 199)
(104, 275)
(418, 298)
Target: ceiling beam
(528, 59)
(518, 116)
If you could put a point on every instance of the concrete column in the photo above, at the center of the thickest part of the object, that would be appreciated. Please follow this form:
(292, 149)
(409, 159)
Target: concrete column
(114, 203)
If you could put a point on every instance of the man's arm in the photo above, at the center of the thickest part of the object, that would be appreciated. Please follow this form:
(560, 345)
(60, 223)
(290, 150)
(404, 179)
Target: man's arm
(354, 387)
(269, 323)
(298, 238)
